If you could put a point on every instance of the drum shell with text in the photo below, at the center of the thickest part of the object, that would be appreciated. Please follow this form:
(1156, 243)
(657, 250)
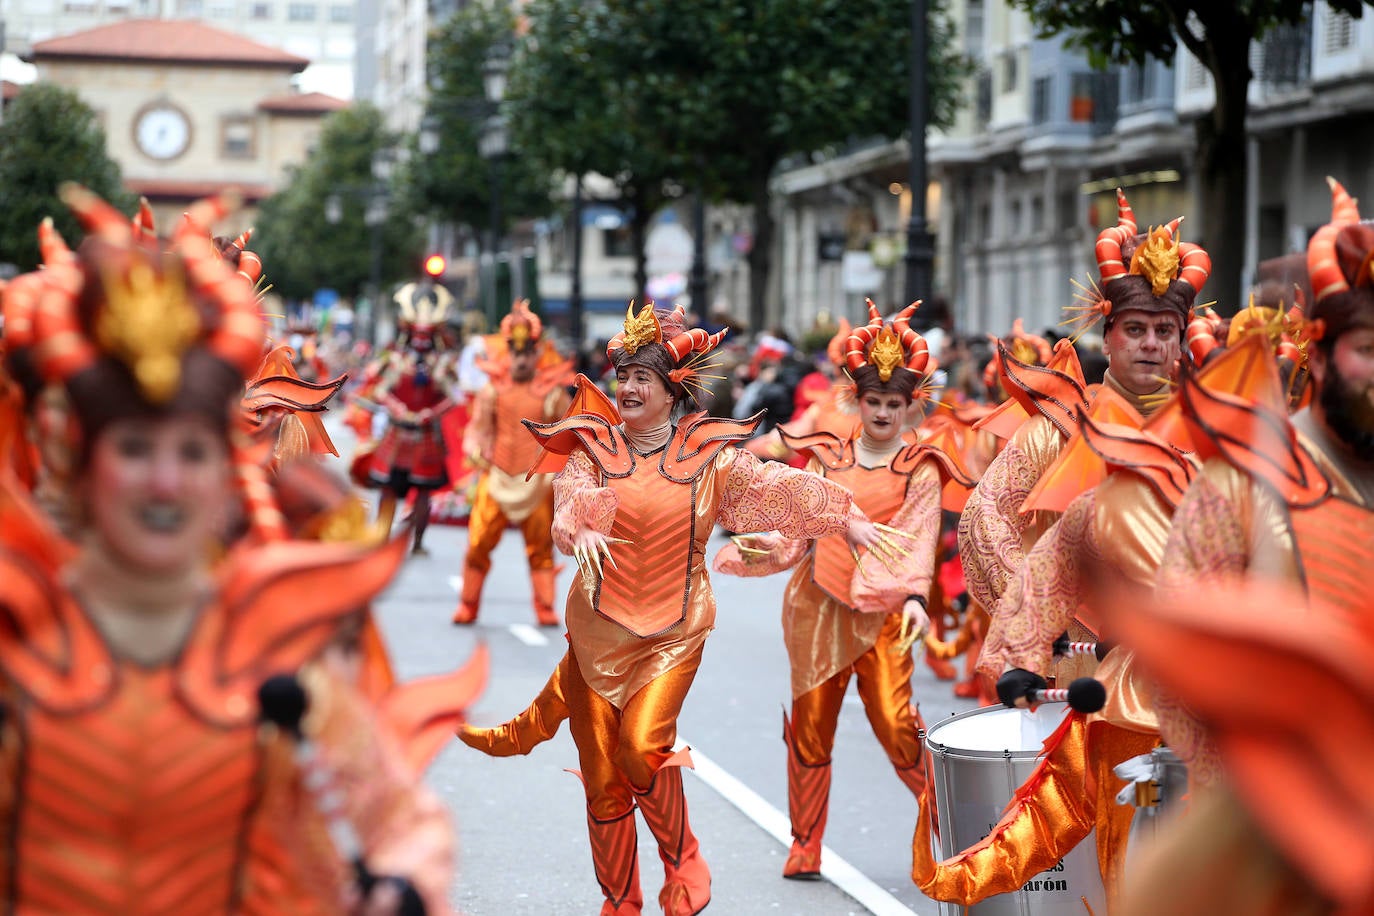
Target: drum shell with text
(978, 760)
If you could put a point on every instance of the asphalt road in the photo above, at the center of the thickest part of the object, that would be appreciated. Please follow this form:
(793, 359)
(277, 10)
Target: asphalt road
(521, 820)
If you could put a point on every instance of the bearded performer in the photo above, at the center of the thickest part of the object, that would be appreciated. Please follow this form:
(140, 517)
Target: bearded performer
(135, 670)
(1148, 285)
(633, 476)
(413, 386)
(849, 615)
(526, 382)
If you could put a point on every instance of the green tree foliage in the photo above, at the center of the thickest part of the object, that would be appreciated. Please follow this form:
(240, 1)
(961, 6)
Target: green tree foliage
(454, 183)
(49, 136)
(1217, 34)
(302, 250)
(716, 99)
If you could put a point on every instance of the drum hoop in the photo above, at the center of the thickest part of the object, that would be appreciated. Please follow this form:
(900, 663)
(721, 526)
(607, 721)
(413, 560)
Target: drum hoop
(961, 753)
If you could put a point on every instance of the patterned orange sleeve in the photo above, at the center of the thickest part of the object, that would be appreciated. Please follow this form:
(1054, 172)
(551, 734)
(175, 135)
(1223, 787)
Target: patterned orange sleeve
(1044, 595)
(766, 495)
(783, 554)
(992, 527)
(579, 501)
(403, 827)
(884, 588)
(1206, 543)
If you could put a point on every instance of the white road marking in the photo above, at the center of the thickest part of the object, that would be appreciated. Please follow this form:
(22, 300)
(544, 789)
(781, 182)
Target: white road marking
(839, 872)
(528, 635)
(455, 583)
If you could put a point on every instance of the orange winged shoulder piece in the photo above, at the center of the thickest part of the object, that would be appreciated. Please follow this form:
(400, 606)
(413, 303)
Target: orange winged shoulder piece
(1236, 408)
(1167, 470)
(1003, 420)
(424, 713)
(1055, 390)
(943, 448)
(589, 422)
(699, 439)
(1078, 468)
(829, 449)
(280, 605)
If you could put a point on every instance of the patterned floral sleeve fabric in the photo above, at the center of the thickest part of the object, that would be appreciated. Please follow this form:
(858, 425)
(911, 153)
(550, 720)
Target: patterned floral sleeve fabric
(1048, 591)
(767, 496)
(579, 501)
(884, 588)
(783, 554)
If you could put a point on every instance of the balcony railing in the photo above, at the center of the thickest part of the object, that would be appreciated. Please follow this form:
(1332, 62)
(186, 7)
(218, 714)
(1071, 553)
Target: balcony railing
(1285, 56)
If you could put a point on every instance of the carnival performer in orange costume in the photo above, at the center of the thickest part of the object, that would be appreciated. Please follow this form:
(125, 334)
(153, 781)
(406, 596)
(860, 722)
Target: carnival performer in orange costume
(527, 382)
(850, 615)
(131, 663)
(637, 623)
(413, 386)
(1148, 284)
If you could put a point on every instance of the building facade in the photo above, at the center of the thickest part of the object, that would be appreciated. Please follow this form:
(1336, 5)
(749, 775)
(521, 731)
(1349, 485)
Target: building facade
(189, 110)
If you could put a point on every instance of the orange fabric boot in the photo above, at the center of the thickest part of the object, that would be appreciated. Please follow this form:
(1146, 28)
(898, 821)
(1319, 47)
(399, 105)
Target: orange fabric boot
(616, 860)
(536, 724)
(808, 805)
(541, 581)
(471, 597)
(686, 879)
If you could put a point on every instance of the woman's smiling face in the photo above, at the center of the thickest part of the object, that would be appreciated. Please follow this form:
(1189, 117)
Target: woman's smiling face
(642, 398)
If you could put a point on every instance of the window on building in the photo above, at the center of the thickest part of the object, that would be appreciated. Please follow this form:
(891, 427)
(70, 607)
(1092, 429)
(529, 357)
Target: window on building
(1040, 99)
(1195, 74)
(301, 12)
(1068, 210)
(1010, 72)
(1339, 32)
(1014, 227)
(238, 136)
(260, 11)
(79, 6)
(1037, 214)
(222, 10)
(191, 9)
(616, 243)
(117, 7)
(340, 12)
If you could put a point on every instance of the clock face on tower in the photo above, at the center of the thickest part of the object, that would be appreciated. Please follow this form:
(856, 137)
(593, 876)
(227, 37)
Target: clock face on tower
(162, 131)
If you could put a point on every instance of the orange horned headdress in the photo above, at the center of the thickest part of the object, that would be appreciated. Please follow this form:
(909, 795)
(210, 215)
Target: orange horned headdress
(521, 328)
(878, 354)
(1152, 272)
(1340, 263)
(661, 341)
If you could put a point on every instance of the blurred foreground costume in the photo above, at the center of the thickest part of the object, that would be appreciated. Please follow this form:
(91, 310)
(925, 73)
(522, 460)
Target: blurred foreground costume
(637, 627)
(843, 611)
(146, 785)
(527, 381)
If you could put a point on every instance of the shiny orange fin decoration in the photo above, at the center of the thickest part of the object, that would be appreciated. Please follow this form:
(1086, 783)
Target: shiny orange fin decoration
(1136, 451)
(1079, 468)
(425, 712)
(826, 447)
(1004, 420)
(1210, 648)
(957, 482)
(1054, 390)
(699, 439)
(283, 603)
(589, 421)
(1237, 408)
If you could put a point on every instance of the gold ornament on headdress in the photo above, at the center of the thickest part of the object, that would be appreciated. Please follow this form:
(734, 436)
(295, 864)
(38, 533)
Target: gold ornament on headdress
(519, 336)
(148, 323)
(1157, 259)
(641, 329)
(887, 354)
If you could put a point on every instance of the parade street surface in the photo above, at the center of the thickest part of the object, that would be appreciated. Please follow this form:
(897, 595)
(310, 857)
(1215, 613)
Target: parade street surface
(521, 821)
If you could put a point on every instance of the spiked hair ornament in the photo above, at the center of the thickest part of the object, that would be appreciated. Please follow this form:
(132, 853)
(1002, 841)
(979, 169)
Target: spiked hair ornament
(1340, 264)
(144, 315)
(1031, 349)
(880, 355)
(661, 341)
(521, 328)
(1152, 272)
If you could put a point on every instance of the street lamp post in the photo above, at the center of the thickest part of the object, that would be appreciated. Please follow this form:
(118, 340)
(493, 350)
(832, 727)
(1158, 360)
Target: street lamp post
(493, 146)
(575, 287)
(920, 244)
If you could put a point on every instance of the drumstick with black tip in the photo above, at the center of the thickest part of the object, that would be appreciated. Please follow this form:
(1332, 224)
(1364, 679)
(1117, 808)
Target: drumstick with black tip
(1084, 695)
(283, 702)
(1064, 648)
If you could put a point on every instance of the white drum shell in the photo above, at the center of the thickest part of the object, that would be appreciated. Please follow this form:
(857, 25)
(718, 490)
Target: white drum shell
(980, 758)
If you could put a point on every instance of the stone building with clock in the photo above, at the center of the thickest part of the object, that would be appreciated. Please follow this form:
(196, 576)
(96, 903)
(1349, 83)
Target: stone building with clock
(189, 109)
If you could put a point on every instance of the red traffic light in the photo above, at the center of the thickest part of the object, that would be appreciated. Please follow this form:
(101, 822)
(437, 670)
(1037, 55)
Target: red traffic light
(434, 265)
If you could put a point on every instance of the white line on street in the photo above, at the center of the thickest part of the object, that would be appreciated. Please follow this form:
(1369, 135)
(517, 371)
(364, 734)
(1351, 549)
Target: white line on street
(839, 872)
(455, 583)
(528, 635)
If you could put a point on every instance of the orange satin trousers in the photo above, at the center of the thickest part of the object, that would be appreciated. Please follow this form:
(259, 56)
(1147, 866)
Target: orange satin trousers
(884, 684)
(620, 750)
(486, 524)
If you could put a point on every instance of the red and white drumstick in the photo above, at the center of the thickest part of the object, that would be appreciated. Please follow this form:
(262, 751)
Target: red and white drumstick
(1064, 648)
(1084, 695)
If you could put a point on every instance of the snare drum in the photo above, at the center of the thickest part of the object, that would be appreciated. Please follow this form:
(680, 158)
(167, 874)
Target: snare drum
(979, 760)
